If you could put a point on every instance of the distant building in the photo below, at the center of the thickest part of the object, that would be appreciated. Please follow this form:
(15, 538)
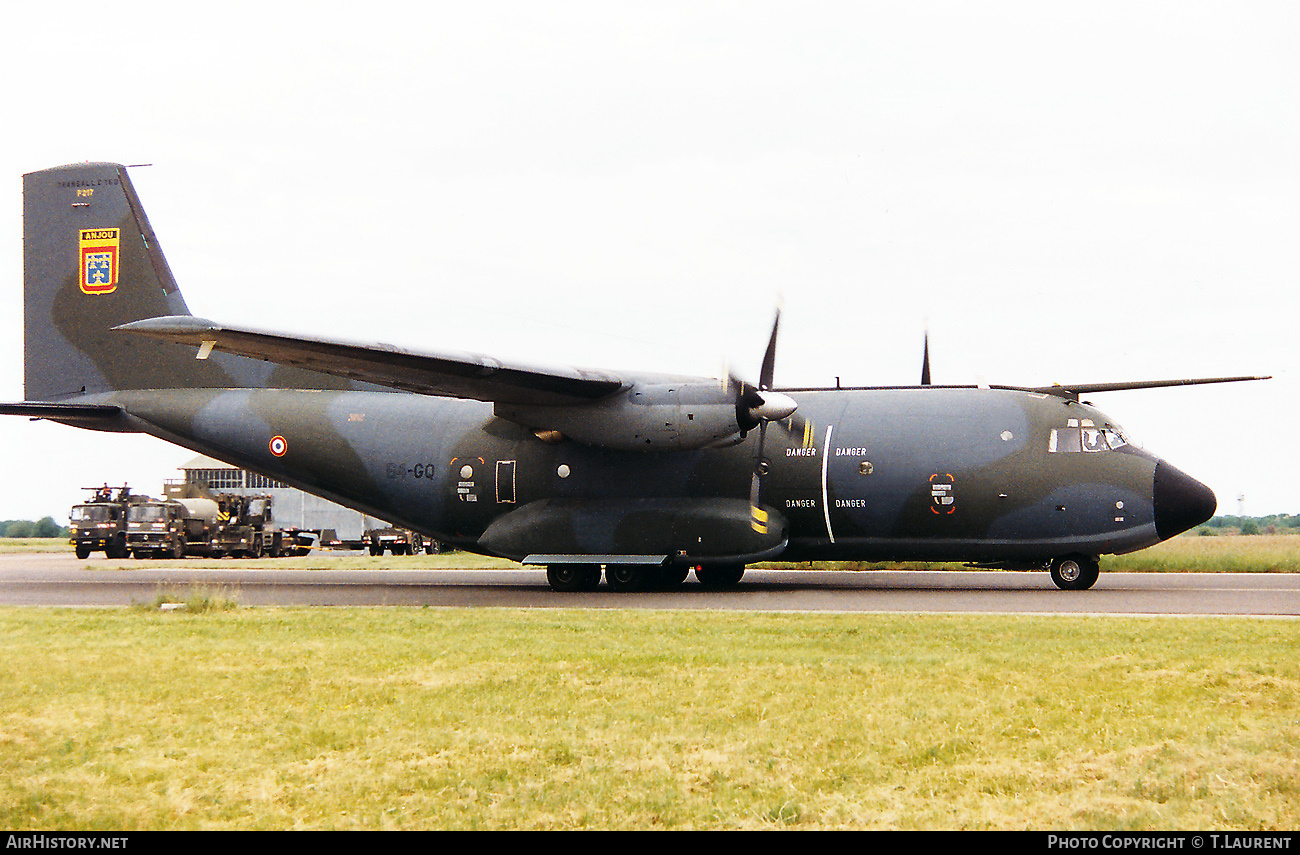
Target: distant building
(291, 507)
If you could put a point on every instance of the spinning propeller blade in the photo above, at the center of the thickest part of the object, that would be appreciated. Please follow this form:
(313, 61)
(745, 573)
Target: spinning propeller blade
(764, 405)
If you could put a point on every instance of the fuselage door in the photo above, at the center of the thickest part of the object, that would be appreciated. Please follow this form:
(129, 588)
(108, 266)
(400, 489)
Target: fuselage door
(505, 482)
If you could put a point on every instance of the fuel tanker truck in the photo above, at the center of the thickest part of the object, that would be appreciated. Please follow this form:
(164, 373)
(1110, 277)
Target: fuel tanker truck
(213, 525)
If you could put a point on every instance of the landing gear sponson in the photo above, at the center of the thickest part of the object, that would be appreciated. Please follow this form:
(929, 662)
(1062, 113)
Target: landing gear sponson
(629, 578)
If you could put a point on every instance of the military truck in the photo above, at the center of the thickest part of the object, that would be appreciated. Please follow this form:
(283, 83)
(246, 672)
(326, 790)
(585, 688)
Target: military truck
(244, 528)
(398, 541)
(101, 523)
(194, 521)
(171, 528)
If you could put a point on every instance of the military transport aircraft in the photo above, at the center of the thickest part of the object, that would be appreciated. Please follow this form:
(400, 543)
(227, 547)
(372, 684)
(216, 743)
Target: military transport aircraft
(647, 475)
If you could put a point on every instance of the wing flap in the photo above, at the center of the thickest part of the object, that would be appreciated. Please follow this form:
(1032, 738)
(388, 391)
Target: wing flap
(459, 375)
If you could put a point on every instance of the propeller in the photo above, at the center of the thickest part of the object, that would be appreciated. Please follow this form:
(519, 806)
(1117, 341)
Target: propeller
(755, 407)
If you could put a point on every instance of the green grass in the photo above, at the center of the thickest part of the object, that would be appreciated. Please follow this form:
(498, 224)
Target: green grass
(487, 718)
(195, 599)
(1190, 553)
(35, 544)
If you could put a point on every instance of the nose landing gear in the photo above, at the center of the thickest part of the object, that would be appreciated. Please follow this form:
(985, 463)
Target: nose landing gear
(1075, 572)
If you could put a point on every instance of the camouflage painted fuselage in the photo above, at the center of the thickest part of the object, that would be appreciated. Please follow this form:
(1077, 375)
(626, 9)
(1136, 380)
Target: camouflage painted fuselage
(921, 474)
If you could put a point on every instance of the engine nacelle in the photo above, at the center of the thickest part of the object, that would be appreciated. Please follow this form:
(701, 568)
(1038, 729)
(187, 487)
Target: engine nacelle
(656, 417)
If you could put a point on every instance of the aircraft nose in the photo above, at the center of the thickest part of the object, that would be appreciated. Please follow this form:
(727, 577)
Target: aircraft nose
(1180, 501)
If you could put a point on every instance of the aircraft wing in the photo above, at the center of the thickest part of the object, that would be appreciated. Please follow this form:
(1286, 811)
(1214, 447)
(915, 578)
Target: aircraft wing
(460, 375)
(1075, 390)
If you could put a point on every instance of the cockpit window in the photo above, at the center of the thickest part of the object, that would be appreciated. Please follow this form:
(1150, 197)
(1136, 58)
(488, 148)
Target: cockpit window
(1083, 435)
(1114, 438)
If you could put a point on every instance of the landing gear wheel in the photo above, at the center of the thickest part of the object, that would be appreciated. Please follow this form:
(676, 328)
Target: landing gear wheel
(719, 577)
(573, 577)
(630, 578)
(1075, 572)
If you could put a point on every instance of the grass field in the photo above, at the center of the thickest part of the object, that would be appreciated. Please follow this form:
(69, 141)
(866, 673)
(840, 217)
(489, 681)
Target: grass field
(485, 718)
(1245, 554)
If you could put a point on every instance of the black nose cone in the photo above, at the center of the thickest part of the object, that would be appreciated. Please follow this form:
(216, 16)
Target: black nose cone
(1181, 501)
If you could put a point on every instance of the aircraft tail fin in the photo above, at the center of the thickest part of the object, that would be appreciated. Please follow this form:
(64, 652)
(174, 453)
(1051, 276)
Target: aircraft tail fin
(92, 262)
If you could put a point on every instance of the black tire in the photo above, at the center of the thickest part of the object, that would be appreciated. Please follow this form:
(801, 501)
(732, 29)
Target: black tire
(631, 578)
(1075, 572)
(719, 577)
(567, 578)
(116, 548)
(83, 552)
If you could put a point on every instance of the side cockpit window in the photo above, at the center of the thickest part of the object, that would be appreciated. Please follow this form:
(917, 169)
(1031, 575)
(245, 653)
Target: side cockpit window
(1082, 435)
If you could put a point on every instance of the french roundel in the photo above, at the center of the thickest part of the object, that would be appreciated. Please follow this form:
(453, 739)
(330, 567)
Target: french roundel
(278, 446)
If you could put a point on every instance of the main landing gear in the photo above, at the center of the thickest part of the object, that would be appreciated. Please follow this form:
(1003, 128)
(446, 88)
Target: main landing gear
(629, 578)
(573, 577)
(1075, 572)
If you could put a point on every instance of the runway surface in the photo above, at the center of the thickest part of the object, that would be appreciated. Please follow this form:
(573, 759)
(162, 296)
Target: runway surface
(59, 579)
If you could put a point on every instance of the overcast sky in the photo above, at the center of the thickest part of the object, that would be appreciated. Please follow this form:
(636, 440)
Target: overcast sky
(1059, 192)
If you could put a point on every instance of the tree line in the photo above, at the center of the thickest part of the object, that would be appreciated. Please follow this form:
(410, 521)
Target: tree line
(1272, 524)
(44, 527)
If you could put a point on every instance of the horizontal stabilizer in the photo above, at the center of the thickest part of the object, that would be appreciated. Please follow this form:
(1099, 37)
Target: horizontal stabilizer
(80, 412)
(452, 375)
(106, 417)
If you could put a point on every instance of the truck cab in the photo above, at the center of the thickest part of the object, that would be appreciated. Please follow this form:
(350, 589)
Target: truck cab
(156, 529)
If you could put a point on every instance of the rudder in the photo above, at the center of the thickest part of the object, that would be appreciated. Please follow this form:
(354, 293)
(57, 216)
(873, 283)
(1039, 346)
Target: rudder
(92, 262)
